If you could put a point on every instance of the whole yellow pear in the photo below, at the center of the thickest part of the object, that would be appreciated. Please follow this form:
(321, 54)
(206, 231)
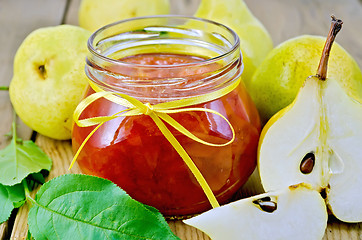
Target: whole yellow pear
(94, 14)
(278, 79)
(49, 78)
(255, 41)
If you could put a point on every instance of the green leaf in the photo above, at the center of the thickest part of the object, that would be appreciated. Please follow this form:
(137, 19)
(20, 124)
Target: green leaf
(29, 237)
(85, 207)
(10, 197)
(39, 177)
(18, 160)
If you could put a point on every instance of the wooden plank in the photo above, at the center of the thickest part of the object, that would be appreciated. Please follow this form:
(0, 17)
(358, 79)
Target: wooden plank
(4, 230)
(283, 19)
(337, 230)
(71, 16)
(61, 153)
(185, 232)
(17, 20)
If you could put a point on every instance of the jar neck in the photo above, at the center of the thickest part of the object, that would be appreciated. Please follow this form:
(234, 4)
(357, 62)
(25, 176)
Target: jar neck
(213, 51)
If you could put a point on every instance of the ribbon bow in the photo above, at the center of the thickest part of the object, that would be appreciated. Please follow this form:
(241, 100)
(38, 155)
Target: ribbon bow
(159, 114)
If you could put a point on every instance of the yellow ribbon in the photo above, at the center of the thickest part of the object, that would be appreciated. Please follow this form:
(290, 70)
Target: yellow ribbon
(158, 113)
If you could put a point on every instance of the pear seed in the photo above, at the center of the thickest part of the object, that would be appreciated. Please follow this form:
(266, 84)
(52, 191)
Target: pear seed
(264, 199)
(307, 164)
(323, 193)
(266, 204)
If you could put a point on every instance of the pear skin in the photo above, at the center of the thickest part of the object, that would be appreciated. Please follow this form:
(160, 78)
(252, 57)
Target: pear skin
(94, 14)
(278, 79)
(49, 79)
(255, 41)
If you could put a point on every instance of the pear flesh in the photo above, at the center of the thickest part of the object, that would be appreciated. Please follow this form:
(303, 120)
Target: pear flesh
(300, 214)
(324, 121)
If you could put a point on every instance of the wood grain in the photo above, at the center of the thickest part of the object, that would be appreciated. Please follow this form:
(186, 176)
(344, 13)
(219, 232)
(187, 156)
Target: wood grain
(4, 230)
(284, 19)
(338, 230)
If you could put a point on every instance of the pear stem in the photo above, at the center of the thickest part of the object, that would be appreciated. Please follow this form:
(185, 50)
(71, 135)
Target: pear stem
(336, 25)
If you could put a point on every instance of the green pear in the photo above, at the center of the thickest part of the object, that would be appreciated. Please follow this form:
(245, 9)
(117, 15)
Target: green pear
(317, 140)
(49, 78)
(255, 41)
(296, 212)
(277, 80)
(94, 14)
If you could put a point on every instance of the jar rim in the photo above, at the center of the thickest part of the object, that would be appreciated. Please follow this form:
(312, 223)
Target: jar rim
(97, 54)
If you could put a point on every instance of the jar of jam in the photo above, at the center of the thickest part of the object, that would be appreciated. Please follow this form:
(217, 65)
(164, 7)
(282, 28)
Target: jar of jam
(164, 59)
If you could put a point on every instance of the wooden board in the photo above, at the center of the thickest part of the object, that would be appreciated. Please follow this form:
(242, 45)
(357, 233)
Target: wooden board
(17, 20)
(286, 19)
(283, 18)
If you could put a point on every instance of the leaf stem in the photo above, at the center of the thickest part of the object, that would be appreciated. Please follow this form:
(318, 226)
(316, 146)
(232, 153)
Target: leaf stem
(14, 141)
(4, 88)
(336, 26)
(26, 187)
(27, 192)
(13, 127)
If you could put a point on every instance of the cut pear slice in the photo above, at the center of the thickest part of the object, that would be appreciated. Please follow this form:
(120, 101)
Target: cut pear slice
(297, 212)
(325, 121)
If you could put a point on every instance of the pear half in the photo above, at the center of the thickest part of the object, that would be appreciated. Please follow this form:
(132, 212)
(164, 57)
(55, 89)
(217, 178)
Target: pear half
(317, 140)
(296, 212)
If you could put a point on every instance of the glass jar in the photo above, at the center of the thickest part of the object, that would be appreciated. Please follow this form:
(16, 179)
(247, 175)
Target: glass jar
(161, 59)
